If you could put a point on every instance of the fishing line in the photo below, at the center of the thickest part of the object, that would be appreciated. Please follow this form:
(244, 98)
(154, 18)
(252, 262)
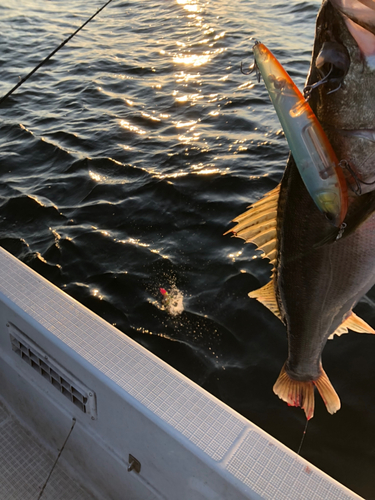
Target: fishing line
(23, 80)
(303, 437)
(57, 459)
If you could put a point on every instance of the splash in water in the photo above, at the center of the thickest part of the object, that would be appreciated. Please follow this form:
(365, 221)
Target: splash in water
(173, 301)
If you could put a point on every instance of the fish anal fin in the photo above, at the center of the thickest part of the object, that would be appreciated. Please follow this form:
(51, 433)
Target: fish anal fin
(301, 393)
(352, 322)
(295, 392)
(267, 296)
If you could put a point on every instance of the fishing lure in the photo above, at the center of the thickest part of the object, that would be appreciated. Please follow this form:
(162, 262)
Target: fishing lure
(315, 159)
(164, 293)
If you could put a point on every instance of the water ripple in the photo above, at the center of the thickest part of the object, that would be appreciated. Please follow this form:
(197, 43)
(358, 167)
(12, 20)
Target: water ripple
(123, 161)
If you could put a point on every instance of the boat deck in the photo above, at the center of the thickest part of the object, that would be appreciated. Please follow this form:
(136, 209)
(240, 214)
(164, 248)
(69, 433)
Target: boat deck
(25, 465)
(140, 427)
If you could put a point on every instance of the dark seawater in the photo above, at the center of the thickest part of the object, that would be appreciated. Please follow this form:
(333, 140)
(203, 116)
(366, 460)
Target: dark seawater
(122, 163)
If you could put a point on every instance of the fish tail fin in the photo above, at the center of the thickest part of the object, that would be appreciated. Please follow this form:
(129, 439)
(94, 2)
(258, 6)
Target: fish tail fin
(301, 393)
(327, 392)
(295, 392)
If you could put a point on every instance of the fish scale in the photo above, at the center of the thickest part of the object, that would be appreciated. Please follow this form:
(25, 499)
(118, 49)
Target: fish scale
(331, 278)
(319, 273)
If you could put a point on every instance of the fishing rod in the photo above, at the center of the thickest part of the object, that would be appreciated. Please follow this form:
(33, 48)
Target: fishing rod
(23, 80)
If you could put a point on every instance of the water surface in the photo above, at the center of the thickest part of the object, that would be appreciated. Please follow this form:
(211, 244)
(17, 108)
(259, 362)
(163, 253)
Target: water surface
(122, 164)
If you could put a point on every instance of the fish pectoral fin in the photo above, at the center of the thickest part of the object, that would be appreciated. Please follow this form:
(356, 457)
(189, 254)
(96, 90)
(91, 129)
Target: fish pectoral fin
(301, 393)
(258, 224)
(352, 322)
(267, 296)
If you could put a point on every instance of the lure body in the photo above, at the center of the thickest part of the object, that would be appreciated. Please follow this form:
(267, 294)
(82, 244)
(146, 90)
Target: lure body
(315, 159)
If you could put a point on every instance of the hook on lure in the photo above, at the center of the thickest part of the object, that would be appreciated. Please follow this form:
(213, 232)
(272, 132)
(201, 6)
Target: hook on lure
(253, 67)
(332, 64)
(345, 164)
(308, 90)
(312, 152)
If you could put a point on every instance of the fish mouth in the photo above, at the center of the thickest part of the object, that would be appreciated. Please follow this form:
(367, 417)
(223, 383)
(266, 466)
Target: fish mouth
(359, 16)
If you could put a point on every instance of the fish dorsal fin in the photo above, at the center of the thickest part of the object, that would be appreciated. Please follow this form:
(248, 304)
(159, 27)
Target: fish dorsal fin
(258, 224)
(352, 322)
(267, 296)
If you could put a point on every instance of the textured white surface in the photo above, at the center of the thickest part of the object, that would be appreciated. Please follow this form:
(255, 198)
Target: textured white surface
(25, 466)
(273, 474)
(210, 426)
(240, 450)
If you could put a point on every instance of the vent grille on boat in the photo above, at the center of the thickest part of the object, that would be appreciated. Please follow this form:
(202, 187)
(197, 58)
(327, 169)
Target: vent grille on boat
(52, 371)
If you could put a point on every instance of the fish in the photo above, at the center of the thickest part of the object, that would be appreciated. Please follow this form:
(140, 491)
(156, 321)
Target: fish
(319, 273)
(312, 152)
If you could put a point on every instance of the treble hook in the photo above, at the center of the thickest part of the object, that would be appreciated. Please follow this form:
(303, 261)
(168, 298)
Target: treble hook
(346, 165)
(252, 68)
(307, 91)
